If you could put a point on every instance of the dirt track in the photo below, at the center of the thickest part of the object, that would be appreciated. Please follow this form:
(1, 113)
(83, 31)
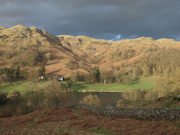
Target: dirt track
(69, 121)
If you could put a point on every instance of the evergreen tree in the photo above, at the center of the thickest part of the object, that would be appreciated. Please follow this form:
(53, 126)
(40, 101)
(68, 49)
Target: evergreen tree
(7, 72)
(97, 74)
(18, 72)
(42, 71)
(24, 73)
(11, 72)
(1, 72)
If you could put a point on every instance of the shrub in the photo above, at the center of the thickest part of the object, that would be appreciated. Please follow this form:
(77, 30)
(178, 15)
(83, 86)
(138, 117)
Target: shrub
(127, 80)
(33, 74)
(121, 103)
(91, 100)
(177, 98)
(14, 94)
(49, 56)
(135, 95)
(4, 78)
(3, 98)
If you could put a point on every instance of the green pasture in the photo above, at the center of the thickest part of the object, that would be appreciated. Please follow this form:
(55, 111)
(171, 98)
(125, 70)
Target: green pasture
(23, 86)
(145, 83)
(112, 87)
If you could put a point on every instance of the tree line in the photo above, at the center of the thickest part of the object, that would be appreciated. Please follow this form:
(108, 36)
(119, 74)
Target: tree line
(159, 62)
(8, 74)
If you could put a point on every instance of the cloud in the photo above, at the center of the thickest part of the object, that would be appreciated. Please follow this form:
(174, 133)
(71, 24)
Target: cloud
(96, 18)
(177, 38)
(117, 37)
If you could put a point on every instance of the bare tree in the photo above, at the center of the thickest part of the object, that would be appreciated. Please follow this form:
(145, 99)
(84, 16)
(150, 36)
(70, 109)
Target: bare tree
(54, 96)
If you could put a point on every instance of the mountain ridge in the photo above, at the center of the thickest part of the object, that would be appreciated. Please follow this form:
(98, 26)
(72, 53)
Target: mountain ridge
(81, 53)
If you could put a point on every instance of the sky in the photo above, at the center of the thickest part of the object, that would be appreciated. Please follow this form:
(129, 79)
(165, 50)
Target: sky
(102, 19)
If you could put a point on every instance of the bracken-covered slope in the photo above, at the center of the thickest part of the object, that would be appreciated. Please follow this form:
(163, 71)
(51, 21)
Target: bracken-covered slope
(80, 53)
(58, 121)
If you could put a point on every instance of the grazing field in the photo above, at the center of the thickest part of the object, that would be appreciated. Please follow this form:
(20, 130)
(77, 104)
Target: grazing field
(80, 87)
(144, 83)
(23, 86)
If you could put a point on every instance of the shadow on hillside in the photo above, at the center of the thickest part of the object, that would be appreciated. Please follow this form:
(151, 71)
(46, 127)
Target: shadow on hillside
(54, 72)
(54, 62)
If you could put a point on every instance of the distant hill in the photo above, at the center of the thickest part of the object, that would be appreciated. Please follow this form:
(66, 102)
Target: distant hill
(65, 54)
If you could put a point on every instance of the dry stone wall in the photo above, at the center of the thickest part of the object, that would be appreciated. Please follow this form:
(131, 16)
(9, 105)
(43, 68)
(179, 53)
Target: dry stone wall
(151, 114)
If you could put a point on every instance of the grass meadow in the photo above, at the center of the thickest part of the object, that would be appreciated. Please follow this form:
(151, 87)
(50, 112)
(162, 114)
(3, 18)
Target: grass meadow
(80, 87)
(24, 85)
(144, 83)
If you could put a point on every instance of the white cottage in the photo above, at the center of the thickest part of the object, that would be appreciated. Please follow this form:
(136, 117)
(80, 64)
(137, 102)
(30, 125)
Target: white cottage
(60, 79)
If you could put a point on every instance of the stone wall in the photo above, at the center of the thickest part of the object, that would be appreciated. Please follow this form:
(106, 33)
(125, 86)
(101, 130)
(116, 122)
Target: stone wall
(151, 114)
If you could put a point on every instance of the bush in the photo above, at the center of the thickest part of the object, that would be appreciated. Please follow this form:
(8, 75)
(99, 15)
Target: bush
(91, 100)
(3, 98)
(4, 78)
(177, 98)
(127, 80)
(33, 74)
(14, 93)
(49, 56)
(121, 103)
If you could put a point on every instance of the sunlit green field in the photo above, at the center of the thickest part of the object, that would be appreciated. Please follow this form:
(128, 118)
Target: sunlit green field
(23, 86)
(144, 83)
(113, 87)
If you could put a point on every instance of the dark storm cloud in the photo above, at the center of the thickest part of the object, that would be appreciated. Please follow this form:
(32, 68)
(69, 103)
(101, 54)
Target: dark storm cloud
(107, 19)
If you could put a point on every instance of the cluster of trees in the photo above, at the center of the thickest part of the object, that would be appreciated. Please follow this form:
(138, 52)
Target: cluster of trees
(7, 74)
(156, 62)
(151, 61)
(168, 84)
(162, 62)
(105, 76)
(123, 54)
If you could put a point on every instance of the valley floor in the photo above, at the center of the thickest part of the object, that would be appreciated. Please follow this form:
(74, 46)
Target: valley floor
(144, 83)
(58, 121)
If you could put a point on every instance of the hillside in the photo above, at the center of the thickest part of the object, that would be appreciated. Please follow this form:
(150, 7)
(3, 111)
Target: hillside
(57, 121)
(90, 63)
(65, 54)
